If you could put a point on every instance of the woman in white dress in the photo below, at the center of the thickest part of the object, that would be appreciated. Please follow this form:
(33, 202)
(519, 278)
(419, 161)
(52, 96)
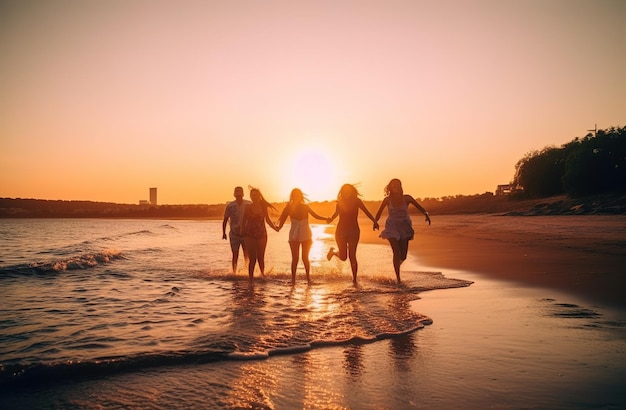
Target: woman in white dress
(398, 227)
(300, 232)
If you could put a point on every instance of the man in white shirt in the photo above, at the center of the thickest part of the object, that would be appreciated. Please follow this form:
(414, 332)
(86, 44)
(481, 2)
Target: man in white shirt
(234, 213)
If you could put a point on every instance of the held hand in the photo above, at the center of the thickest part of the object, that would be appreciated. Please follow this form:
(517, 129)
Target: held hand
(427, 219)
(328, 220)
(376, 227)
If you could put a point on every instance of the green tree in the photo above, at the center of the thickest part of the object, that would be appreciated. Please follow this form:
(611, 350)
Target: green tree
(591, 165)
(539, 173)
(597, 163)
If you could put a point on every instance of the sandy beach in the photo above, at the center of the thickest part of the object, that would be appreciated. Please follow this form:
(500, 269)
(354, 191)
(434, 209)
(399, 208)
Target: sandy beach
(587, 259)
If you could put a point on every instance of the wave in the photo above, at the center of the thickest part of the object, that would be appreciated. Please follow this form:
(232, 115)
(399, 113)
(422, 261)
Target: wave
(83, 261)
(33, 375)
(95, 243)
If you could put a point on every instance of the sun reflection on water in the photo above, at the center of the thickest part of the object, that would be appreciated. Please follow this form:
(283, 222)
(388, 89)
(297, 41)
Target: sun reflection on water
(321, 239)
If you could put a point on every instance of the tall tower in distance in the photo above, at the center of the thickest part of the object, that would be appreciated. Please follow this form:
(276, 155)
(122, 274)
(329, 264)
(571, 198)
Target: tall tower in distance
(153, 196)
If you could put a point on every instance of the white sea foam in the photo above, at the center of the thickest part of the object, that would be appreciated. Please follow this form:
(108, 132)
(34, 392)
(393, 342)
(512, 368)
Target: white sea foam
(167, 293)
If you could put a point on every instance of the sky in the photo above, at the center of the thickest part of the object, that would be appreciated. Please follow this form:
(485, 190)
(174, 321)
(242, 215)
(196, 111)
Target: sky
(101, 100)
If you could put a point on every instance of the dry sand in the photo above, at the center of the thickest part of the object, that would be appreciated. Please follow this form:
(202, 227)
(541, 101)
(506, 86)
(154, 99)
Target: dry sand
(584, 255)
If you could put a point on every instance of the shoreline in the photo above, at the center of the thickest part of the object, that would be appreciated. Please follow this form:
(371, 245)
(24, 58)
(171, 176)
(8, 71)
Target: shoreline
(590, 265)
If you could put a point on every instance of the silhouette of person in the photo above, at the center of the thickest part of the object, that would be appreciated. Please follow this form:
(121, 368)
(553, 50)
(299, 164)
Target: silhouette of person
(398, 226)
(255, 215)
(300, 232)
(348, 233)
(234, 214)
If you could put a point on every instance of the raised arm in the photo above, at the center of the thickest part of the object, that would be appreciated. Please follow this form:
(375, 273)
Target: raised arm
(333, 216)
(363, 208)
(283, 217)
(412, 200)
(315, 215)
(381, 207)
(369, 215)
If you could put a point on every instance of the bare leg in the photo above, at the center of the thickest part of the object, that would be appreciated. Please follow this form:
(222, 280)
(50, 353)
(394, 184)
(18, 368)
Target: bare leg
(261, 244)
(295, 250)
(354, 264)
(252, 253)
(342, 244)
(353, 243)
(404, 249)
(234, 263)
(397, 260)
(244, 248)
(306, 248)
(234, 247)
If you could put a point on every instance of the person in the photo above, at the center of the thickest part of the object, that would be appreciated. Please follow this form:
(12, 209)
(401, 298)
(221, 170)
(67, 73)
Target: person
(398, 226)
(300, 232)
(234, 214)
(255, 216)
(348, 233)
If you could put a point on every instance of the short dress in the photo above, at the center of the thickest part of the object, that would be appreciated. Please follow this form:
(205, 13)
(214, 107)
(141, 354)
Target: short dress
(398, 224)
(300, 230)
(255, 226)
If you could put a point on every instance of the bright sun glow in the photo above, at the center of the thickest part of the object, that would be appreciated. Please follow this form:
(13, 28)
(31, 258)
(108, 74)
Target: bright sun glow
(314, 173)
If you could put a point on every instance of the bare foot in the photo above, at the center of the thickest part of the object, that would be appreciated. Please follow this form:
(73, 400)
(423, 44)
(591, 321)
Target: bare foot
(330, 253)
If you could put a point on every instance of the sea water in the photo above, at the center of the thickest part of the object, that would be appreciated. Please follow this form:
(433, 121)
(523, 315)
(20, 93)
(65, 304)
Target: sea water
(100, 313)
(91, 297)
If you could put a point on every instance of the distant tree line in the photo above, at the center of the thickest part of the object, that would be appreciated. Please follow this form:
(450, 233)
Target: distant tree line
(592, 165)
(41, 208)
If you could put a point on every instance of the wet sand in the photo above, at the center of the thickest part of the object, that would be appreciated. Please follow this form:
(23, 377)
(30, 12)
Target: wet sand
(584, 255)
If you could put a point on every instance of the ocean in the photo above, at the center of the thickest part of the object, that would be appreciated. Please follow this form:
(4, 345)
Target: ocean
(100, 313)
(93, 297)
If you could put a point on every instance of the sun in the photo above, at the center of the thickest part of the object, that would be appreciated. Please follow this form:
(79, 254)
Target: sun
(314, 172)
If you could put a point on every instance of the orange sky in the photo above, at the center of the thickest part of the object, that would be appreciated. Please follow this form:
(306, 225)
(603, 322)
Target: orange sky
(100, 100)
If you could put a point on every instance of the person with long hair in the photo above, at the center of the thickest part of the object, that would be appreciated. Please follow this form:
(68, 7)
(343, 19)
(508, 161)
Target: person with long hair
(348, 233)
(300, 235)
(398, 226)
(255, 216)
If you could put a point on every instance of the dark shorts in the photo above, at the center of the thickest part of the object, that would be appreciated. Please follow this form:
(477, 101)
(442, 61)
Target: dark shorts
(348, 235)
(236, 242)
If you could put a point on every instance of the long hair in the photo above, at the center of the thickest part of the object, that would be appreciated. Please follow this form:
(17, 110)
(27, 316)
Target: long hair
(297, 196)
(348, 192)
(261, 198)
(388, 191)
